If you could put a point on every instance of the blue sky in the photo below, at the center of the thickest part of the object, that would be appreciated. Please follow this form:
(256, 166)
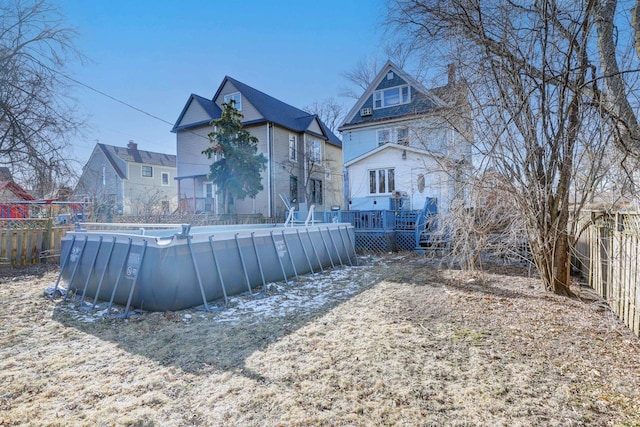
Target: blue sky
(153, 55)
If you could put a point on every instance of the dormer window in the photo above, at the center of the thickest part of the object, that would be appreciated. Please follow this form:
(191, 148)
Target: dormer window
(392, 96)
(236, 98)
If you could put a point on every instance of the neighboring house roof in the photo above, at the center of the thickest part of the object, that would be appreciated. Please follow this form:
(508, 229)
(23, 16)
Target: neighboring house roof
(423, 100)
(16, 189)
(392, 146)
(134, 155)
(272, 110)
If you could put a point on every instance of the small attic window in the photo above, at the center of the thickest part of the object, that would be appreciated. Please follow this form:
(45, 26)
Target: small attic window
(390, 75)
(236, 98)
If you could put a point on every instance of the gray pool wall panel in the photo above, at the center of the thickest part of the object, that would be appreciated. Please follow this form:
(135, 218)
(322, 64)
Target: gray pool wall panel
(105, 265)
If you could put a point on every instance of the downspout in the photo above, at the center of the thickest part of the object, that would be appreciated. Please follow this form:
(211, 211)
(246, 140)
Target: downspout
(269, 171)
(124, 196)
(304, 167)
(179, 204)
(345, 188)
(194, 194)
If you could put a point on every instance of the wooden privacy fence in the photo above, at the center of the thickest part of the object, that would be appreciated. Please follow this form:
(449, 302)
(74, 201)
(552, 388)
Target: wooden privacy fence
(29, 241)
(614, 253)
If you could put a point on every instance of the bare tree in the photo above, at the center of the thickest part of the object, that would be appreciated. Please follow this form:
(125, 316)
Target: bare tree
(360, 77)
(527, 67)
(403, 53)
(36, 116)
(614, 99)
(329, 111)
(484, 223)
(147, 202)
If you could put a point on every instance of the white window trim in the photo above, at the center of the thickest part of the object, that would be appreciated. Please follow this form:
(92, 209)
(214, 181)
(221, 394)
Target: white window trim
(377, 175)
(162, 175)
(293, 158)
(398, 141)
(311, 143)
(238, 104)
(380, 94)
(379, 131)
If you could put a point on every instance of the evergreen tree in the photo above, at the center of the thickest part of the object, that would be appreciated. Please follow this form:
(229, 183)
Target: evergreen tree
(236, 172)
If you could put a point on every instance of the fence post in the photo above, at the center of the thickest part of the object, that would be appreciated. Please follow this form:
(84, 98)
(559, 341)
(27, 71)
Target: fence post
(46, 239)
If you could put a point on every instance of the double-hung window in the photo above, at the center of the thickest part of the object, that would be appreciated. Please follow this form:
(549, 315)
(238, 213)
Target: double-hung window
(293, 189)
(402, 136)
(293, 148)
(382, 181)
(392, 96)
(147, 171)
(315, 191)
(315, 151)
(383, 136)
(236, 98)
(165, 178)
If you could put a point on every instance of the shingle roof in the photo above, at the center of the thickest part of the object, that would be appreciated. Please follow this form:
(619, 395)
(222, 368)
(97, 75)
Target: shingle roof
(272, 110)
(136, 156)
(423, 100)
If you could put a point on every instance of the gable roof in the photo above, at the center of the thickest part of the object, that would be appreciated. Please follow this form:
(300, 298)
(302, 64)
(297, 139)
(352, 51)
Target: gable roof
(210, 107)
(272, 110)
(423, 100)
(16, 189)
(392, 146)
(128, 155)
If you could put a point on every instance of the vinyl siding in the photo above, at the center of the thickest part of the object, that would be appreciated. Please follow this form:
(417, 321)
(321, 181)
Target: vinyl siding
(248, 111)
(315, 127)
(283, 168)
(427, 134)
(194, 114)
(140, 191)
(437, 183)
(333, 187)
(91, 183)
(189, 147)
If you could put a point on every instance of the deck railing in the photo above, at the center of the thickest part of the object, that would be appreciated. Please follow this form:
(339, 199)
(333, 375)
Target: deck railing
(28, 241)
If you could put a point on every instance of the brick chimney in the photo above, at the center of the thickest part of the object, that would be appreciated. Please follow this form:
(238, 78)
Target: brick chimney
(132, 145)
(451, 74)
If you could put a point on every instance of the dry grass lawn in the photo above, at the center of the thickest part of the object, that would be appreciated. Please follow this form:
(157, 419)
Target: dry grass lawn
(395, 341)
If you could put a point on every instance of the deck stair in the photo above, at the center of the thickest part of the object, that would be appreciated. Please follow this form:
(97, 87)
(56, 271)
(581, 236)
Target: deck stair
(428, 234)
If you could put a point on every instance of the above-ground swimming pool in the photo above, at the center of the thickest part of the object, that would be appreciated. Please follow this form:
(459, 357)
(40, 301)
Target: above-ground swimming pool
(180, 267)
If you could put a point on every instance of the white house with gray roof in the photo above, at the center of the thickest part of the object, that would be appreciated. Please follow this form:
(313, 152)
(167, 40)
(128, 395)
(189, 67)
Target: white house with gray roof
(404, 144)
(304, 156)
(128, 181)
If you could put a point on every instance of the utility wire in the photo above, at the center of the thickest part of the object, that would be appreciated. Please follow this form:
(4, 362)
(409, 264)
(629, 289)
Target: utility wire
(113, 98)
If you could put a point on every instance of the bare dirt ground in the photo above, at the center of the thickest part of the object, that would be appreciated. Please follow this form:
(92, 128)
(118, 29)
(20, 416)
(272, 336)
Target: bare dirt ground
(394, 341)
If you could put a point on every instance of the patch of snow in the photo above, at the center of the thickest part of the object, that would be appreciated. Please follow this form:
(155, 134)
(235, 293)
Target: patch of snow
(280, 299)
(311, 292)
